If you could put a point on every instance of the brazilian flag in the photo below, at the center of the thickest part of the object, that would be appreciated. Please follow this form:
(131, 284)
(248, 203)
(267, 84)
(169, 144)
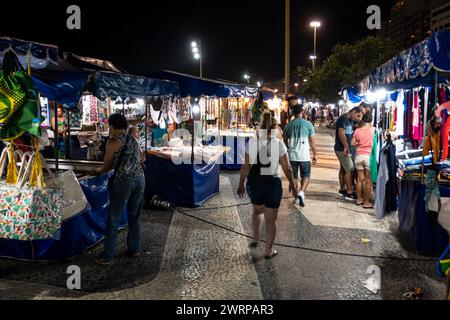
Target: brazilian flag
(19, 101)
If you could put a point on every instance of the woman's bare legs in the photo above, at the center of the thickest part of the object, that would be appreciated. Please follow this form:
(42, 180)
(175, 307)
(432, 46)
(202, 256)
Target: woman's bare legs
(359, 186)
(271, 216)
(367, 188)
(256, 221)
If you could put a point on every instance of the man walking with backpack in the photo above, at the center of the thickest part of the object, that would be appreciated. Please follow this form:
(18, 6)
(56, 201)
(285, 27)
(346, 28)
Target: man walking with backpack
(299, 137)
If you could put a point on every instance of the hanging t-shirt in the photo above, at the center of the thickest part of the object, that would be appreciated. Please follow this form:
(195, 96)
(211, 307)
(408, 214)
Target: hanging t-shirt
(400, 129)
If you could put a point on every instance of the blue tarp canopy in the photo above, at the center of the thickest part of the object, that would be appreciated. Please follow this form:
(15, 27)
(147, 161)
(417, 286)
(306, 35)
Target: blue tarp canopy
(196, 87)
(40, 54)
(64, 87)
(414, 67)
(351, 94)
(113, 85)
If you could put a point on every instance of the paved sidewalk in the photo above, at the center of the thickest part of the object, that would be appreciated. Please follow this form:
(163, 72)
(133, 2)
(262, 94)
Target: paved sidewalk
(203, 253)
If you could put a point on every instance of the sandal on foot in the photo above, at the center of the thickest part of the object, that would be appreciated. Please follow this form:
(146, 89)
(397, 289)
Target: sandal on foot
(368, 207)
(359, 203)
(272, 254)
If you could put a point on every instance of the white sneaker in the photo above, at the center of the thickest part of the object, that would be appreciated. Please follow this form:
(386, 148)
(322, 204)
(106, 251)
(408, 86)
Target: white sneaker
(301, 199)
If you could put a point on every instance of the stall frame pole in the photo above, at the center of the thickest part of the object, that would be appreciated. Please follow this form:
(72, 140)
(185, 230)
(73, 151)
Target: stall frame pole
(68, 151)
(146, 127)
(192, 136)
(55, 132)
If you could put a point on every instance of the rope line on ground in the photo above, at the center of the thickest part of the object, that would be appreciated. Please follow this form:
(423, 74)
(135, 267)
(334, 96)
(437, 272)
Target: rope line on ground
(306, 248)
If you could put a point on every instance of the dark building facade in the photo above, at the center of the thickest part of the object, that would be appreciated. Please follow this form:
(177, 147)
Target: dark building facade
(411, 21)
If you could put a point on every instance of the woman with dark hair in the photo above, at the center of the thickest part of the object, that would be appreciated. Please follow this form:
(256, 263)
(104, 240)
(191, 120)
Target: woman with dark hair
(263, 157)
(126, 190)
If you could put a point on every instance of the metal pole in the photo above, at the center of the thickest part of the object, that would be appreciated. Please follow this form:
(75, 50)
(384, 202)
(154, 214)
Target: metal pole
(68, 151)
(146, 127)
(287, 54)
(56, 138)
(315, 48)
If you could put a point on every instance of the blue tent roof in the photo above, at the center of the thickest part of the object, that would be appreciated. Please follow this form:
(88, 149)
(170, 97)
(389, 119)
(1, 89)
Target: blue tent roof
(413, 67)
(40, 54)
(196, 87)
(113, 85)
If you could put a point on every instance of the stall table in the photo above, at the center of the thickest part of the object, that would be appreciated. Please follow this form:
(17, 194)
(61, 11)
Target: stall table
(183, 184)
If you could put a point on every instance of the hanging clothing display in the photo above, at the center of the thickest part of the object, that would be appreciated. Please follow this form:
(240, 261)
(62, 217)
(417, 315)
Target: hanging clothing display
(400, 114)
(416, 112)
(387, 189)
(383, 177)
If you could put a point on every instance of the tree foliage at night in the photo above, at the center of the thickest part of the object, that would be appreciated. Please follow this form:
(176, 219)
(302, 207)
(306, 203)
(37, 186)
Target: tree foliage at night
(350, 63)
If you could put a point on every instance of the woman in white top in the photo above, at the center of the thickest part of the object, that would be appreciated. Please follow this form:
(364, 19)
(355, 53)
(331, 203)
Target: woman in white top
(263, 157)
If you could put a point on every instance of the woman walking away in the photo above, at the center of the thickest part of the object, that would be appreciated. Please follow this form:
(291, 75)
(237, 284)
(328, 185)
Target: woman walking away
(363, 140)
(126, 190)
(263, 156)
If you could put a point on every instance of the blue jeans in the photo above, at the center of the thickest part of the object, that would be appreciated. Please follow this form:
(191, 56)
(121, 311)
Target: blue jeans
(127, 192)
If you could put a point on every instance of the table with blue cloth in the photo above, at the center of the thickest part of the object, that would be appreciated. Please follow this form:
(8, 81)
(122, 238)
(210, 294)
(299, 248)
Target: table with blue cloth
(77, 234)
(184, 185)
(420, 228)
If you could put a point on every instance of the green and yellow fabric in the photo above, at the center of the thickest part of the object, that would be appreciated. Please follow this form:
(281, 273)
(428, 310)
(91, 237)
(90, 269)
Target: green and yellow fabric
(19, 102)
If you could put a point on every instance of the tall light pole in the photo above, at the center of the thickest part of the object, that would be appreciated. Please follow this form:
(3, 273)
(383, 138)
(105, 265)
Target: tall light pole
(315, 25)
(313, 60)
(197, 51)
(287, 45)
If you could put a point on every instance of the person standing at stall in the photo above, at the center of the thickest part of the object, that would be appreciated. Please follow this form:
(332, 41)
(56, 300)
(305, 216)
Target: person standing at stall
(345, 127)
(264, 155)
(126, 190)
(299, 137)
(363, 141)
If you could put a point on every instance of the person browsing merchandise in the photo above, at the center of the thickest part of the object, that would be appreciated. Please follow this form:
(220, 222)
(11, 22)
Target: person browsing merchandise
(344, 134)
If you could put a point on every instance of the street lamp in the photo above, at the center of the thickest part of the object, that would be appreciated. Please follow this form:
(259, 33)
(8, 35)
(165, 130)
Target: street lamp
(197, 53)
(296, 87)
(315, 25)
(247, 77)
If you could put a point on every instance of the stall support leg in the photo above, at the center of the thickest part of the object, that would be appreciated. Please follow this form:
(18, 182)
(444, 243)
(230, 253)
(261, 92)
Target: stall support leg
(68, 138)
(146, 127)
(56, 138)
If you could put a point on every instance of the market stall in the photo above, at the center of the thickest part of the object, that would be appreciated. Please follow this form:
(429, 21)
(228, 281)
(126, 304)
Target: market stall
(406, 92)
(67, 212)
(224, 112)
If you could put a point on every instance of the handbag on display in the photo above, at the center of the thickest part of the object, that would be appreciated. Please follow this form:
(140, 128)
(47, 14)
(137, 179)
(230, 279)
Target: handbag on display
(19, 101)
(73, 199)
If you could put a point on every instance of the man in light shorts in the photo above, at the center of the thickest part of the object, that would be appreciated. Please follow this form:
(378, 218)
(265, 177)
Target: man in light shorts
(344, 134)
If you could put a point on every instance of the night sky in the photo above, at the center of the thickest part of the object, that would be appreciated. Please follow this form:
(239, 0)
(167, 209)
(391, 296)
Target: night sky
(237, 36)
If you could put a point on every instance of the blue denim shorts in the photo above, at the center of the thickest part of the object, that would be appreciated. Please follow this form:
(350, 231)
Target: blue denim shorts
(303, 167)
(265, 194)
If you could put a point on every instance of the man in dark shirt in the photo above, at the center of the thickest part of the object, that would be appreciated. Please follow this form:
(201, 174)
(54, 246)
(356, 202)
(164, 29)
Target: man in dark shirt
(345, 127)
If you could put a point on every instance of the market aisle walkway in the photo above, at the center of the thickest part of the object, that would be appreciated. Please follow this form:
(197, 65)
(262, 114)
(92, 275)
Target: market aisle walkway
(205, 254)
(325, 185)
